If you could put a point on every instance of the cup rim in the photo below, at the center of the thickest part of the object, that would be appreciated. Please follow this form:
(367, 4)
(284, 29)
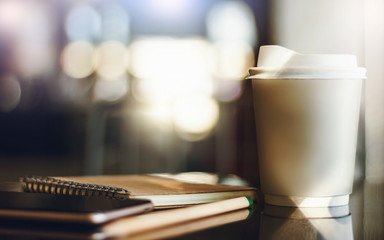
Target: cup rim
(307, 73)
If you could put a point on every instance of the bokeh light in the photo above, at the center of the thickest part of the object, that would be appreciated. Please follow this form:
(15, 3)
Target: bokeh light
(232, 30)
(228, 90)
(83, 23)
(110, 91)
(169, 57)
(74, 91)
(160, 114)
(231, 21)
(11, 14)
(111, 58)
(10, 93)
(115, 22)
(153, 90)
(170, 8)
(34, 52)
(167, 68)
(195, 116)
(77, 59)
(166, 90)
(231, 60)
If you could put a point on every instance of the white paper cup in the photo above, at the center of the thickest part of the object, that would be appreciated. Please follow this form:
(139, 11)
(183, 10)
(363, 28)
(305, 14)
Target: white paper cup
(306, 112)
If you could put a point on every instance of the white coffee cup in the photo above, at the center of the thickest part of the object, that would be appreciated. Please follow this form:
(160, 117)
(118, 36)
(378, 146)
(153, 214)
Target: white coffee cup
(306, 111)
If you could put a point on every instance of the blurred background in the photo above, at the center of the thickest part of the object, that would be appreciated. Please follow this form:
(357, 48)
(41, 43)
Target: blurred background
(123, 86)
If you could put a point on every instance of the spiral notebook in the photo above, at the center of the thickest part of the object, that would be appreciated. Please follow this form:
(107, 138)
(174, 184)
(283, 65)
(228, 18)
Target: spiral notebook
(164, 192)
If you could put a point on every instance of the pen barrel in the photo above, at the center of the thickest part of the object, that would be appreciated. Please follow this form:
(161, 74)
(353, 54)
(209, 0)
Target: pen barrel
(164, 218)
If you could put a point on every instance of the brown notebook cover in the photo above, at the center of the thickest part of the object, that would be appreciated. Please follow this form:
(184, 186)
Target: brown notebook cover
(162, 191)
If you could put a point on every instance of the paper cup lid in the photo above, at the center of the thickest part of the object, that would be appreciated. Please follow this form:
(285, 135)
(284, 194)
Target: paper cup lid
(278, 62)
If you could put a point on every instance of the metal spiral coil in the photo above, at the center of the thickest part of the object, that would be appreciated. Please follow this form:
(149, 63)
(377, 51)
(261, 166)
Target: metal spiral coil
(62, 187)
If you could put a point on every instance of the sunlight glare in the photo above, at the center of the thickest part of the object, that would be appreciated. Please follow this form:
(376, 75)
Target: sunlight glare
(196, 114)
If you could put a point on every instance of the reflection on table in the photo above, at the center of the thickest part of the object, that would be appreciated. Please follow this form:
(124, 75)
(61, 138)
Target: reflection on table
(306, 223)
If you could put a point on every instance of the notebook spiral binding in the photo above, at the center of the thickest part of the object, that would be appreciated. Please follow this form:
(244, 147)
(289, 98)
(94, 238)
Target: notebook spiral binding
(62, 187)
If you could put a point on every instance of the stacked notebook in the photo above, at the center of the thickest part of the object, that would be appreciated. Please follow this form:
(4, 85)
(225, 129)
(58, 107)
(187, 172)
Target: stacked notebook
(164, 192)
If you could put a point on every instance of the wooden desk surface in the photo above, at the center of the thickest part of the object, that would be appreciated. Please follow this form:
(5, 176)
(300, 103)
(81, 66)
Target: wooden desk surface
(365, 221)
